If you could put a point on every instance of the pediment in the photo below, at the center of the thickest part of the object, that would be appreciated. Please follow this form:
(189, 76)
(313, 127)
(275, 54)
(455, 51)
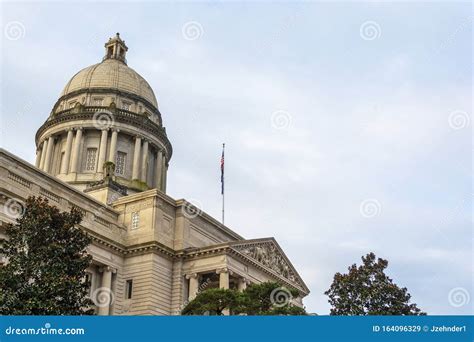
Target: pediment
(267, 253)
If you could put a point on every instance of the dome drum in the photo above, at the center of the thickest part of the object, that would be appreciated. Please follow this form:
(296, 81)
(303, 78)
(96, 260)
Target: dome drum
(105, 97)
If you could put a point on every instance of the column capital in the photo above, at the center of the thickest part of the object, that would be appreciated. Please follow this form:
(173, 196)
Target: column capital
(191, 275)
(244, 280)
(224, 270)
(80, 128)
(107, 269)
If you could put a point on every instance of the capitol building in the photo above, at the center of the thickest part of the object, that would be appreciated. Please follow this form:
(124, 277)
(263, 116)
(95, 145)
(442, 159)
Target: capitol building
(104, 149)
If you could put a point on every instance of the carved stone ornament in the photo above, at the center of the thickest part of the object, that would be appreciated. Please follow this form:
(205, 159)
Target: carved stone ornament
(269, 256)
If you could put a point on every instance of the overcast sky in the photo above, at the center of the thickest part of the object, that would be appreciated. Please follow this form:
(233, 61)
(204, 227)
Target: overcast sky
(347, 126)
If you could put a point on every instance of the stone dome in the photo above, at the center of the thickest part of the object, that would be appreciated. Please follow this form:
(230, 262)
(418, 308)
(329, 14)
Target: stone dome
(111, 74)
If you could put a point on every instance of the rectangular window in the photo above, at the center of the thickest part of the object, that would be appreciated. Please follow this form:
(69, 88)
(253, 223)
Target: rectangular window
(128, 289)
(126, 105)
(88, 281)
(120, 163)
(90, 159)
(135, 219)
(98, 101)
(61, 161)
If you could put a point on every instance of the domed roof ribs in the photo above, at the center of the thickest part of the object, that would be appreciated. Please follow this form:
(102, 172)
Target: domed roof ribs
(115, 48)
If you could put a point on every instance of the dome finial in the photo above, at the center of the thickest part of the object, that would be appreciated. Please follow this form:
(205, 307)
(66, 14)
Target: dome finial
(115, 48)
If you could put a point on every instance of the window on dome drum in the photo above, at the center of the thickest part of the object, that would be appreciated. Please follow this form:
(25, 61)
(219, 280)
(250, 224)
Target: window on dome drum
(90, 159)
(128, 289)
(135, 219)
(126, 105)
(97, 101)
(72, 104)
(120, 163)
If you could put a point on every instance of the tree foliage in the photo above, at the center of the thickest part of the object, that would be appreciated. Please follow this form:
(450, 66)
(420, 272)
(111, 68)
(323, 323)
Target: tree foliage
(367, 290)
(46, 262)
(212, 302)
(257, 299)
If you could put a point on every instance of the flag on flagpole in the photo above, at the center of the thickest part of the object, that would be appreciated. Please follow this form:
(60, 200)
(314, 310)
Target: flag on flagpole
(222, 170)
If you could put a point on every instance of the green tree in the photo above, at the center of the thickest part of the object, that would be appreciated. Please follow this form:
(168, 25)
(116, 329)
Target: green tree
(367, 290)
(257, 299)
(212, 302)
(46, 262)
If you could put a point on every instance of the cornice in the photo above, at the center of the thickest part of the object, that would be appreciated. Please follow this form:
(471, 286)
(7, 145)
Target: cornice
(227, 248)
(108, 91)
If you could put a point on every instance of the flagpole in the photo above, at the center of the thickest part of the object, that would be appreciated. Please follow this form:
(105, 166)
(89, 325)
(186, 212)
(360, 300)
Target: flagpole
(222, 180)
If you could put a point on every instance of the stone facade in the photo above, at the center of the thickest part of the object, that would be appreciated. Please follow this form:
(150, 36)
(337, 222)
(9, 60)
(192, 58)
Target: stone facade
(151, 253)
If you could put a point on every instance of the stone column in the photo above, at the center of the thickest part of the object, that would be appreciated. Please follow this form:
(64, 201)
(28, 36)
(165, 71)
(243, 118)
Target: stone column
(242, 284)
(224, 283)
(105, 296)
(43, 153)
(76, 150)
(223, 278)
(67, 153)
(144, 161)
(102, 150)
(49, 152)
(159, 169)
(163, 174)
(38, 157)
(136, 158)
(193, 285)
(113, 145)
